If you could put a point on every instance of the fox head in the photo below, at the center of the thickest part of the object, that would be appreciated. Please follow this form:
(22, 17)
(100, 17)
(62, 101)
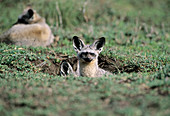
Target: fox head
(88, 53)
(29, 16)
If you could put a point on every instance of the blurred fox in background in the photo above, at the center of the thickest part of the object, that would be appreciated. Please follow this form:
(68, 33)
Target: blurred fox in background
(29, 30)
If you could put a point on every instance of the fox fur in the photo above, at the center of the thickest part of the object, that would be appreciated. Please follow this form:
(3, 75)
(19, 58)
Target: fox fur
(30, 30)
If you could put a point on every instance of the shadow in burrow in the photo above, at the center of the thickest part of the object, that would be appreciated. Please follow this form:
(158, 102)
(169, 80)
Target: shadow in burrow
(110, 64)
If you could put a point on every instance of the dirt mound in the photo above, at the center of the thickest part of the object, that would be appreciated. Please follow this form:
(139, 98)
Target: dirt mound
(116, 66)
(109, 64)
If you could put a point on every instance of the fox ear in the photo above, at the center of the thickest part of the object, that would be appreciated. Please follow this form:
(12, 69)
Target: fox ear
(98, 44)
(78, 44)
(30, 13)
(66, 69)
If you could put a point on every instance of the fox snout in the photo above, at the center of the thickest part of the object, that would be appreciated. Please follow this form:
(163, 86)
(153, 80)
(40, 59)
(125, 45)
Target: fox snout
(87, 59)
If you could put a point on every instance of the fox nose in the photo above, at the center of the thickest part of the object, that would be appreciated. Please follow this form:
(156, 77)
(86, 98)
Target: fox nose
(87, 59)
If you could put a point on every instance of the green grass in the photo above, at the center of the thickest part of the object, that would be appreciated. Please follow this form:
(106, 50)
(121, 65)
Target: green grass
(137, 34)
(41, 94)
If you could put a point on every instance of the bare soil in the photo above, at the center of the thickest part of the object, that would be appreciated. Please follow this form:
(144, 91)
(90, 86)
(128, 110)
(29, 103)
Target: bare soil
(106, 63)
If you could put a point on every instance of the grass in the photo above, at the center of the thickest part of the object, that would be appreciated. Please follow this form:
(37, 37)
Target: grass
(136, 52)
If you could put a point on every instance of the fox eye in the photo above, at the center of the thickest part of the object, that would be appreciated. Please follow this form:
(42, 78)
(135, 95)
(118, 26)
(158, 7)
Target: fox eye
(92, 54)
(82, 54)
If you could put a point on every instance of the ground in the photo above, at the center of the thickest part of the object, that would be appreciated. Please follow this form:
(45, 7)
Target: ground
(136, 52)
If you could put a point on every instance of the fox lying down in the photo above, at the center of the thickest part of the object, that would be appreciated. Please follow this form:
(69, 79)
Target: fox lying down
(30, 30)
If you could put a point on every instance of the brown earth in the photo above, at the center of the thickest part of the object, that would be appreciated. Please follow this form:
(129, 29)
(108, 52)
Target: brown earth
(109, 64)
